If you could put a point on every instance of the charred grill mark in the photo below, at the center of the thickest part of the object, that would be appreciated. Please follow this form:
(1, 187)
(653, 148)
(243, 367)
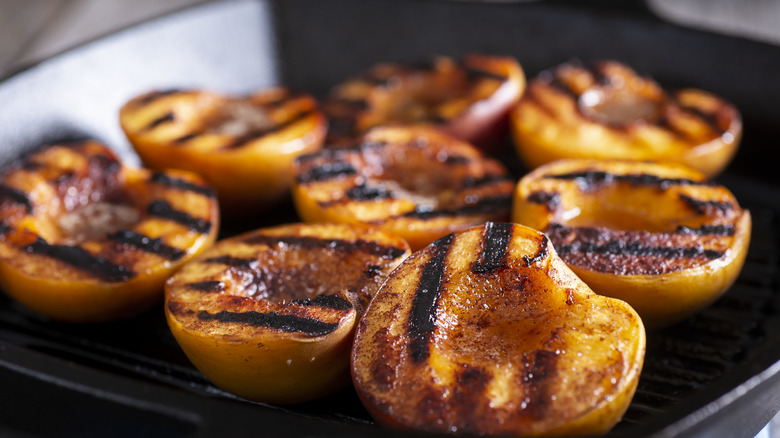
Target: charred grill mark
(637, 249)
(541, 373)
(186, 138)
(549, 199)
(495, 248)
(16, 196)
(181, 184)
(422, 317)
(5, 229)
(272, 320)
(235, 262)
(364, 192)
(285, 97)
(701, 207)
(708, 119)
(456, 159)
(208, 286)
(147, 244)
(591, 179)
(330, 301)
(162, 209)
(165, 118)
(254, 135)
(484, 205)
(337, 245)
(470, 182)
(712, 230)
(154, 95)
(377, 81)
(599, 75)
(327, 171)
(540, 255)
(83, 260)
(352, 104)
(475, 73)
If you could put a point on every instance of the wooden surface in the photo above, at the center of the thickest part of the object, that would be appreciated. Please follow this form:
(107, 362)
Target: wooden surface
(33, 30)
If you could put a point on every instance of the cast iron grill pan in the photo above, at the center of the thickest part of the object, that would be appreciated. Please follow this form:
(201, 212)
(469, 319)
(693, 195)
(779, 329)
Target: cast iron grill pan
(714, 373)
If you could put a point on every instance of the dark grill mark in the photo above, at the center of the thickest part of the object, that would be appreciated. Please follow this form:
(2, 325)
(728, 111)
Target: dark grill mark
(254, 135)
(701, 207)
(186, 138)
(474, 73)
(495, 248)
(539, 256)
(154, 95)
(164, 210)
(713, 230)
(167, 117)
(338, 245)
(637, 249)
(709, 119)
(16, 196)
(470, 182)
(377, 81)
(5, 228)
(330, 301)
(147, 244)
(548, 199)
(352, 104)
(365, 192)
(327, 171)
(599, 76)
(542, 371)
(272, 320)
(181, 184)
(83, 260)
(589, 179)
(484, 205)
(285, 97)
(208, 286)
(422, 318)
(236, 262)
(456, 159)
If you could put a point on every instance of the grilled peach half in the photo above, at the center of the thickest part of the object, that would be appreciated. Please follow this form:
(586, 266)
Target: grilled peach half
(469, 99)
(608, 111)
(270, 315)
(488, 332)
(659, 236)
(84, 238)
(415, 182)
(243, 146)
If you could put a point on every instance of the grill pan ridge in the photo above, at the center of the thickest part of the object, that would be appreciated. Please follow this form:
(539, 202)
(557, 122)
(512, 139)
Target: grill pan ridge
(715, 373)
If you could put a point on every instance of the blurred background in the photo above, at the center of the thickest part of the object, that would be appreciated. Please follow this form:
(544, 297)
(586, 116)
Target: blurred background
(33, 30)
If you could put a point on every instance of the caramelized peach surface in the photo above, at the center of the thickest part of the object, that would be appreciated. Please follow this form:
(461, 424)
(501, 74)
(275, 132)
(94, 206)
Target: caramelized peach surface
(468, 99)
(243, 146)
(86, 239)
(269, 315)
(608, 111)
(487, 331)
(411, 181)
(661, 237)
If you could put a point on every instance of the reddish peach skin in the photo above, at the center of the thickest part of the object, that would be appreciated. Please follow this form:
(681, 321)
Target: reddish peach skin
(486, 123)
(470, 99)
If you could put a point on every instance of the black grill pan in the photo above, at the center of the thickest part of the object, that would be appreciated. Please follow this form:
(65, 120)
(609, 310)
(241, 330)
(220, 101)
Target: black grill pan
(716, 374)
